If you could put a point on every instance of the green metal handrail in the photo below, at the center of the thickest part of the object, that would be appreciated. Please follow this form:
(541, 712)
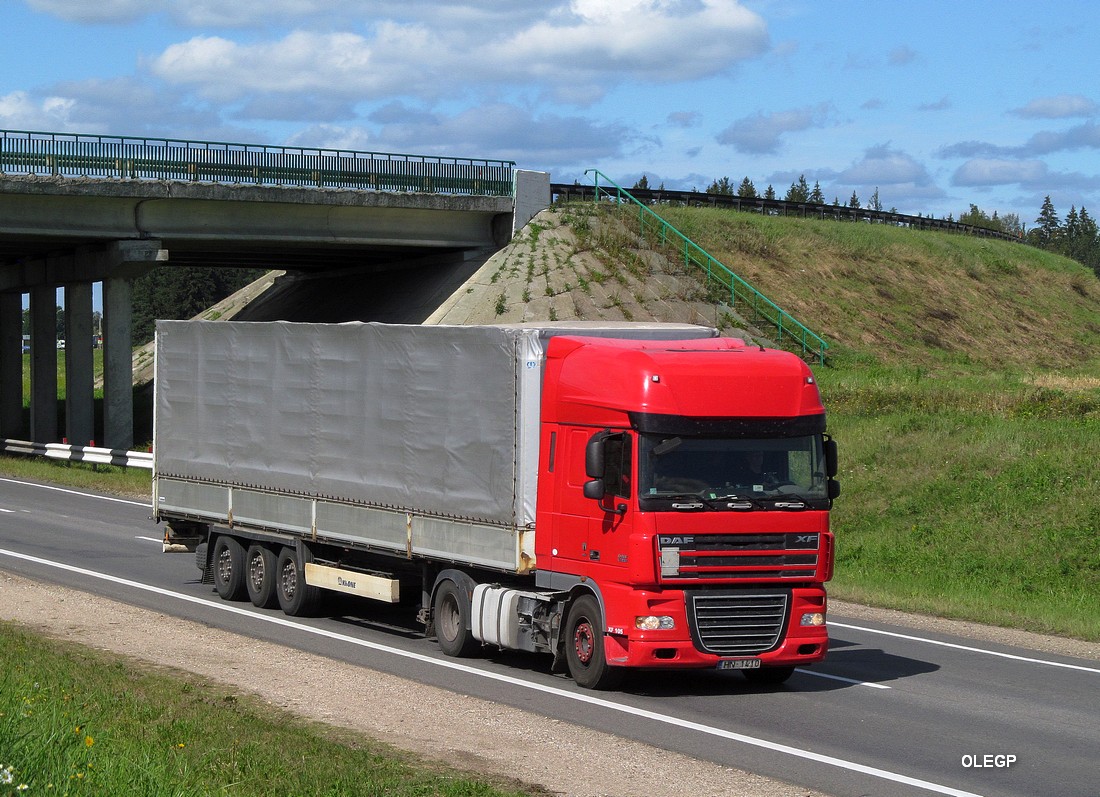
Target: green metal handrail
(763, 308)
(119, 157)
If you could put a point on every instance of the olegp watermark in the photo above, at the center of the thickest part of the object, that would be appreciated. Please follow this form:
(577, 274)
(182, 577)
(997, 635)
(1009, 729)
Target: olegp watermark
(988, 760)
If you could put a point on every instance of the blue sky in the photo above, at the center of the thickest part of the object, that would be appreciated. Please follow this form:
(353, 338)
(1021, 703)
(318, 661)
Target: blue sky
(936, 104)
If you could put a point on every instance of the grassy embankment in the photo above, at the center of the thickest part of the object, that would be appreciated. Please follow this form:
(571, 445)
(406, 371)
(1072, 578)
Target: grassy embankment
(77, 721)
(963, 387)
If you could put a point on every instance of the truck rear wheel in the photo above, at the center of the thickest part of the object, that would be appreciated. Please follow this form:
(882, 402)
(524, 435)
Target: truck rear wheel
(228, 560)
(451, 612)
(296, 597)
(584, 651)
(261, 565)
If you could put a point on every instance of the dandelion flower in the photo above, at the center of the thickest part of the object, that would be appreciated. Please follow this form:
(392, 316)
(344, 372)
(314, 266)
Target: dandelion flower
(88, 741)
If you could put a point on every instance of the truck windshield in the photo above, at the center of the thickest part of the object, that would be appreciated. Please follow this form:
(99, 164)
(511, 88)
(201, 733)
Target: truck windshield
(676, 472)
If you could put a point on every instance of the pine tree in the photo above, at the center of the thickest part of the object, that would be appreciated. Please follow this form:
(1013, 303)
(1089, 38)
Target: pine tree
(799, 191)
(746, 190)
(770, 193)
(1046, 234)
(816, 196)
(643, 183)
(722, 186)
(853, 202)
(875, 203)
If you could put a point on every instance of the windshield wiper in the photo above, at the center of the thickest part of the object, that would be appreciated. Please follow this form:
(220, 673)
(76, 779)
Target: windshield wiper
(695, 500)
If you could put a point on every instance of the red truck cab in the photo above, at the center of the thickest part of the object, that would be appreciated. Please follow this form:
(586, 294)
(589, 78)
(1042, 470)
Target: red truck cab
(686, 485)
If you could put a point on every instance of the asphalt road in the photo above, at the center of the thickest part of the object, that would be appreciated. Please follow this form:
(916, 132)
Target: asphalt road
(892, 711)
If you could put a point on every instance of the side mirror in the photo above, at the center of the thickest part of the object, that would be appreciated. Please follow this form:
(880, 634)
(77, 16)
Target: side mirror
(833, 487)
(594, 489)
(830, 457)
(594, 466)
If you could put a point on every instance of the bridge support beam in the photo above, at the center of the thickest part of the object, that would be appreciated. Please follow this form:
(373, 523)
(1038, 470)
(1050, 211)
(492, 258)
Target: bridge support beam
(43, 402)
(11, 366)
(79, 365)
(125, 261)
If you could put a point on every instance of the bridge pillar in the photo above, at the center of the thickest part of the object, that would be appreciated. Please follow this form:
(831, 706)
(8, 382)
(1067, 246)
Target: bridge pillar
(532, 192)
(125, 261)
(11, 366)
(44, 364)
(79, 365)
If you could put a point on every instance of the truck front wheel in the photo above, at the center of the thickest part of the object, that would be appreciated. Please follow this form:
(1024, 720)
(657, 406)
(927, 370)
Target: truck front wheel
(451, 612)
(296, 597)
(584, 651)
(228, 563)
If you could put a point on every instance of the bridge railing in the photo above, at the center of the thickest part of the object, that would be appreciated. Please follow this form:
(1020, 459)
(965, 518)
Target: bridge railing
(99, 456)
(78, 155)
(741, 296)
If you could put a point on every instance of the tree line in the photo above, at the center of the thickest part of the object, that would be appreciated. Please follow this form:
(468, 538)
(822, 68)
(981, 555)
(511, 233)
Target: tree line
(1077, 237)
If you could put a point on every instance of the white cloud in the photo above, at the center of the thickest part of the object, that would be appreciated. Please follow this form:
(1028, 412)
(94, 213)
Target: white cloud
(20, 111)
(983, 172)
(1062, 106)
(762, 133)
(99, 11)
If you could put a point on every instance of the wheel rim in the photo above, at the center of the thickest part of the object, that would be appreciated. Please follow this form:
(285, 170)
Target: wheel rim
(450, 618)
(225, 566)
(289, 580)
(256, 571)
(584, 642)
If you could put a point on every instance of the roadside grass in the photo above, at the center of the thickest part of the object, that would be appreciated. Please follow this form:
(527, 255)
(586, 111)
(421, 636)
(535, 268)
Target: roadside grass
(134, 483)
(972, 504)
(74, 720)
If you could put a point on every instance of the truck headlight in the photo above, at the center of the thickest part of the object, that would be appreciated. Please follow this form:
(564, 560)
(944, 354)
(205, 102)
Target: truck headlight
(654, 622)
(813, 618)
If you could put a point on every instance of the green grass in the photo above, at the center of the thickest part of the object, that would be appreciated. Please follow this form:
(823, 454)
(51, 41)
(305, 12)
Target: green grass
(972, 503)
(76, 721)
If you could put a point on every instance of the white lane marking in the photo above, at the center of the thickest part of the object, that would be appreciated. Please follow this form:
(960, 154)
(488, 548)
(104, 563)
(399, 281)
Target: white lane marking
(77, 492)
(6, 510)
(599, 702)
(841, 678)
(967, 648)
(157, 540)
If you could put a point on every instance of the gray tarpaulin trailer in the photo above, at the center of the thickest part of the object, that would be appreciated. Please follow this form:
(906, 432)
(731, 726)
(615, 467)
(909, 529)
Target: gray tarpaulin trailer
(420, 441)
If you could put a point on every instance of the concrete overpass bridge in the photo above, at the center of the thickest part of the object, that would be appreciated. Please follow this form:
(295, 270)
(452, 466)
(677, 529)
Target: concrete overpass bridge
(76, 210)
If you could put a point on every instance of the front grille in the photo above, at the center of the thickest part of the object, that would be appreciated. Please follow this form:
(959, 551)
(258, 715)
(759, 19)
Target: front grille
(737, 623)
(729, 557)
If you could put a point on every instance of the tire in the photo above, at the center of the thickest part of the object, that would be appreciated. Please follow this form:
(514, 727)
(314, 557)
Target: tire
(228, 564)
(451, 614)
(769, 676)
(296, 598)
(584, 650)
(260, 567)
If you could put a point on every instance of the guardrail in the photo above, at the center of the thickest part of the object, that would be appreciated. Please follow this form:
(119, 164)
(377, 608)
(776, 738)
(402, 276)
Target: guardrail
(98, 456)
(120, 157)
(787, 328)
(780, 207)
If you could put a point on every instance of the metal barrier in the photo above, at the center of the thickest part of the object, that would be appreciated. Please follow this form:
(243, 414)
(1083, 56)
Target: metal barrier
(119, 157)
(98, 456)
(781, 207)
(740, 293)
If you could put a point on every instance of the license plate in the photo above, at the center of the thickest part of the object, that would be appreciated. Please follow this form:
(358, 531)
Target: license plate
(739, 664)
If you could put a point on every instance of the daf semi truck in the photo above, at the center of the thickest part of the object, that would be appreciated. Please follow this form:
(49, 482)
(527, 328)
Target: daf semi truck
(617, 496)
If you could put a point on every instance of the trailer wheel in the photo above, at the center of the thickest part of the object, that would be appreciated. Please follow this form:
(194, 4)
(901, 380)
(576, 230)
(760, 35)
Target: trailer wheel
(296, 597)
(768, 676)
(229, 568)
(261, 565)
(584, 652)
(451, 612)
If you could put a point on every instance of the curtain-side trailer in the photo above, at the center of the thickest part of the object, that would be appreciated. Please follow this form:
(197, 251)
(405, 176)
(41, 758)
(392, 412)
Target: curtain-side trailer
(616, 495)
